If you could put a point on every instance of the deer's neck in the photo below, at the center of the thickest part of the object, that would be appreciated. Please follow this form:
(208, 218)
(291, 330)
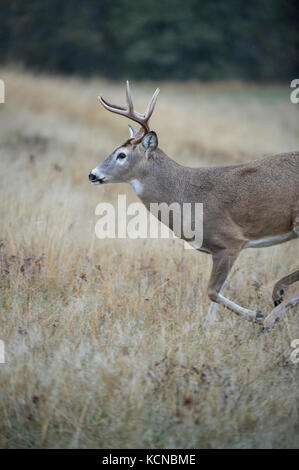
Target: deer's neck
(161, 180)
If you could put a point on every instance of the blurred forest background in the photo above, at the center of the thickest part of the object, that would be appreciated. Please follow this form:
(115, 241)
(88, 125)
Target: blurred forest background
(169, 39)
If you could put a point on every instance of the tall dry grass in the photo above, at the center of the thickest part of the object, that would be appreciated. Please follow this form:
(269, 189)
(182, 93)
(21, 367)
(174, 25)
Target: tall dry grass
(106, 341)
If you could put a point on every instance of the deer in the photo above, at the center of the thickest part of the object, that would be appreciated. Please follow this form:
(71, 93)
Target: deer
(247, 205)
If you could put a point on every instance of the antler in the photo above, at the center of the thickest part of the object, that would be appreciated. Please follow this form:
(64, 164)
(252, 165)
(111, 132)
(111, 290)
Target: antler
(129, 111)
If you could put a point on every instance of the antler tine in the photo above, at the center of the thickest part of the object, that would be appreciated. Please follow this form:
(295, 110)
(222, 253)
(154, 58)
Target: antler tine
(129, 111)
(132, 114)
(114, 108)
(151, 106)
(129, 98)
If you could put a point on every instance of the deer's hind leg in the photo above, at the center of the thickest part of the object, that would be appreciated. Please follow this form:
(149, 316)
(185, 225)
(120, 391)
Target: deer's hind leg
(291, 299)
(280, 286)
(284, 296)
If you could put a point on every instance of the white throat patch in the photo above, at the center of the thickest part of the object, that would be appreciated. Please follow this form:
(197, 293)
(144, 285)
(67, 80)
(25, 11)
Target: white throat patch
(136, 186)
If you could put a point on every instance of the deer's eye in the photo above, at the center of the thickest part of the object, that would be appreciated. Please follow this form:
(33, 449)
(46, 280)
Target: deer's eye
(121, 155)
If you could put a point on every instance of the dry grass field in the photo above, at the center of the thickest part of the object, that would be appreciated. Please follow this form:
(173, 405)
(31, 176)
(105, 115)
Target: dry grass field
(106, 340)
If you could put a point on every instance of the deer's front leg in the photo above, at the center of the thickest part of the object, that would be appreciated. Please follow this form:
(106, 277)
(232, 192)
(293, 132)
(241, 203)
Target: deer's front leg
(223, 261)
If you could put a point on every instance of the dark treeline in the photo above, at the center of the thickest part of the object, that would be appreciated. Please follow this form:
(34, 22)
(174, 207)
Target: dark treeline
(154, 39)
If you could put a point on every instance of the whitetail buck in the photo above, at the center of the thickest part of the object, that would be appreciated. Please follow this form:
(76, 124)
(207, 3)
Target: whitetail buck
(250, 205)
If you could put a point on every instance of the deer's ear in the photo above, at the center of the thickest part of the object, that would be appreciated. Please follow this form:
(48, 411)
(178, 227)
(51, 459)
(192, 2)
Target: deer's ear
(150, 142)
(132, 131)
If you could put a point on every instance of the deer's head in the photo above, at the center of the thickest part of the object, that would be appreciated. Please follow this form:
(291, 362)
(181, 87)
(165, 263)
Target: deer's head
(129, 159)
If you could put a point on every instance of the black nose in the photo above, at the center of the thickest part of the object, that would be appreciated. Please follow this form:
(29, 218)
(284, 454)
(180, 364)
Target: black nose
(92, 177)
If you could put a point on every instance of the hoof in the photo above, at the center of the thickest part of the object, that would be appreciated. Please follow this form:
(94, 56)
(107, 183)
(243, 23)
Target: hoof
(265, 330)
(259, 317)
(259, 314)
(279, 299)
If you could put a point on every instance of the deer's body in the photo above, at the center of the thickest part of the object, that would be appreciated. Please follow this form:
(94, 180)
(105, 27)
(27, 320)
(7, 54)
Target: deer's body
(243, 202)
(248, 205)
